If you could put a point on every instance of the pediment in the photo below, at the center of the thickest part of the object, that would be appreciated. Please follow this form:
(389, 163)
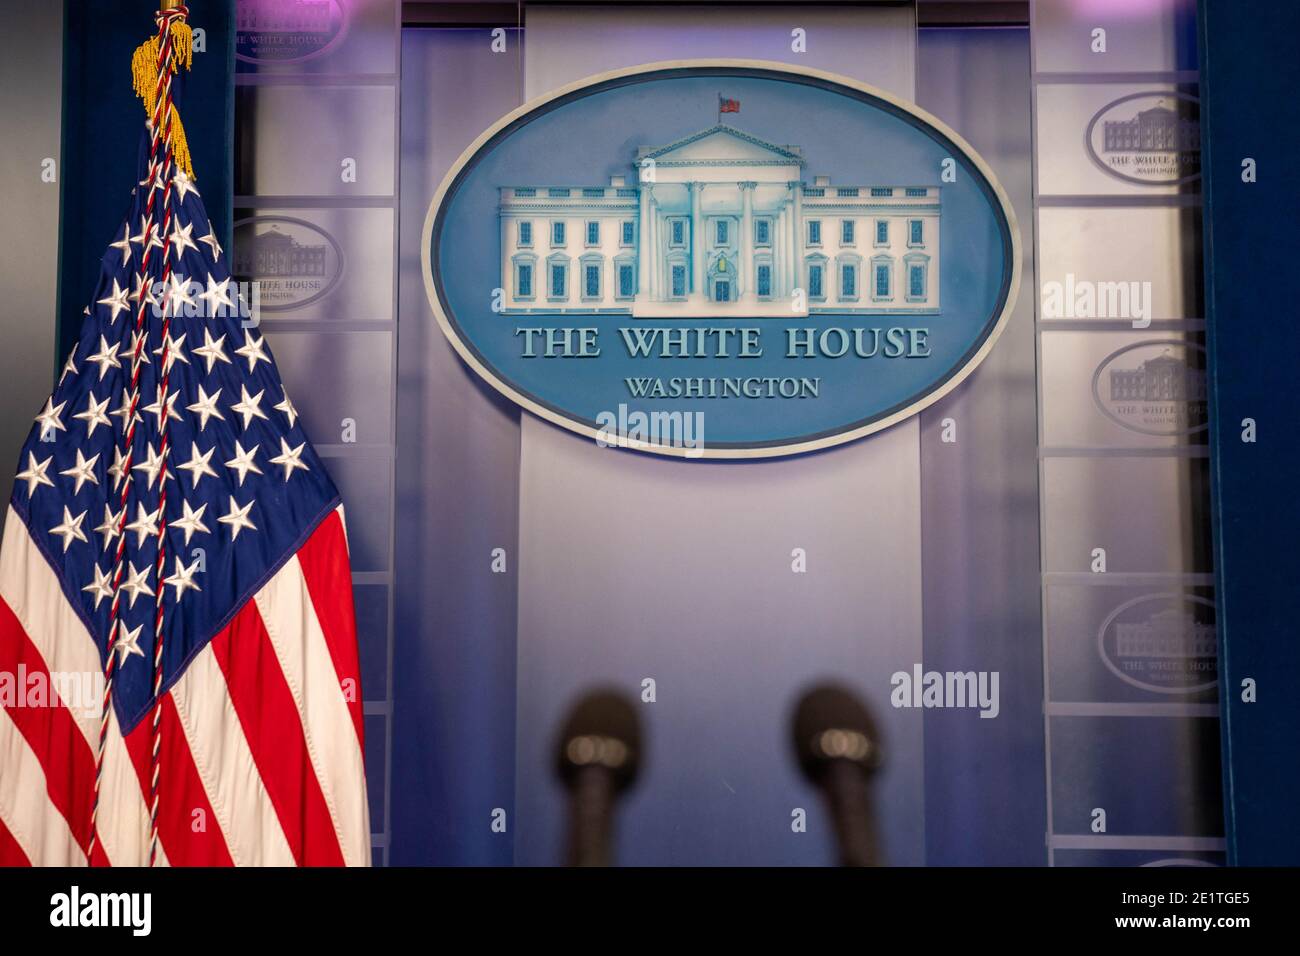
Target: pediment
(722, 143)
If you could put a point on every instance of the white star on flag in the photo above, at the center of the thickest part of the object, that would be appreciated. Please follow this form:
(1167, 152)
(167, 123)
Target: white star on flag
(237, 519)
(206, 407)
(145, 524)
(243, 462)
(217, 298)
(105, 358)
(116, 301)
(137, 582)
(289, 458)
(124, 244)
(211, 241)
(290, 412)
(128, 642)
(180, 239)
(156, 409)
(147, 237)
(249, 406)
(252, 350)
(49, 417)
(70, 529)
(109, 526)
(182, 578)
(101, 587)
(198, 465)
(212, 351)
(34, 474)
(94, 415)
(191, 521)
(83, 471)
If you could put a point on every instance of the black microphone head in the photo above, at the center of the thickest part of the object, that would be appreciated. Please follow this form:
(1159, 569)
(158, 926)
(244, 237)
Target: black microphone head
(602, 730)
(831, 723)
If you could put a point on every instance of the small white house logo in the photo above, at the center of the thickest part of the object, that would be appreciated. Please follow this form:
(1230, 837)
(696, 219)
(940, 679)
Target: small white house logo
(1150, 139)
(75, 908)
(293, 261)
(1155, 388)
(1162, 643)
(288, 31)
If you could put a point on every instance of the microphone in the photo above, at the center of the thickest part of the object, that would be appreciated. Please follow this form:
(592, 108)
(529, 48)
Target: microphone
(838, 748)
(599, 755)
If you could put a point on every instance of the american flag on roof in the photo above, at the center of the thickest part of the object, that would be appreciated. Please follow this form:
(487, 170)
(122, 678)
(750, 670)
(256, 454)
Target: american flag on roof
(173, 533)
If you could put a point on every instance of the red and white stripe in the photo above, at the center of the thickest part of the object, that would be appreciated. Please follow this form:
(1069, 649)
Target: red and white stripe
(262, 745)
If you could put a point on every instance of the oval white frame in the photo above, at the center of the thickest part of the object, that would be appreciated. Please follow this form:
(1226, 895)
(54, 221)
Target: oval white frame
(768, 451)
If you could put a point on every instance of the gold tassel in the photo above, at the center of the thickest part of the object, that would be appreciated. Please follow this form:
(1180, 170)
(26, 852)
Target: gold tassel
(144, 76)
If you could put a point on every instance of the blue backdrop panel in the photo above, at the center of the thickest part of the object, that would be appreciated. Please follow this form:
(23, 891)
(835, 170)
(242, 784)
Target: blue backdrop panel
(102, 119)
(1247, 71)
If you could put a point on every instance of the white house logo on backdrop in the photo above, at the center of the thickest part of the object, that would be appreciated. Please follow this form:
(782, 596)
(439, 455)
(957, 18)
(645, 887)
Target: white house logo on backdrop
(721, 223)
(288, 31)
(1162, 642)
(1155, 388)
(1150, 139)
(614, 251)
(294, 262)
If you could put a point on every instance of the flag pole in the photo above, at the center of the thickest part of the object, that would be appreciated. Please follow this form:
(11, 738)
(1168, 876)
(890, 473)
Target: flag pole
(152, 66)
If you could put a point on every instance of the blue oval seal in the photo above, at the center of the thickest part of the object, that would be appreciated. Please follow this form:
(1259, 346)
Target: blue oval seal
(721, 258)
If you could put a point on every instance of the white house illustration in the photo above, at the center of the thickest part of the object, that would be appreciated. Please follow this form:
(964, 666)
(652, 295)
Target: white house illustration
(722, 223)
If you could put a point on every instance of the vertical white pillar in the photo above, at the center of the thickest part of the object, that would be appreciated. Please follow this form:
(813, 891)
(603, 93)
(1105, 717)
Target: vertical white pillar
(796, 232)
(643, 244)
(697, 238)
(746, 270)
(656, 265)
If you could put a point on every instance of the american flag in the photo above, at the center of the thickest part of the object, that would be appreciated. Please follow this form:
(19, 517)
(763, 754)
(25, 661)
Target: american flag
(173, 535)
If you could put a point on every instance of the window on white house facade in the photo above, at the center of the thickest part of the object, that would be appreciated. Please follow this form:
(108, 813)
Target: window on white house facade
(679, 280)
